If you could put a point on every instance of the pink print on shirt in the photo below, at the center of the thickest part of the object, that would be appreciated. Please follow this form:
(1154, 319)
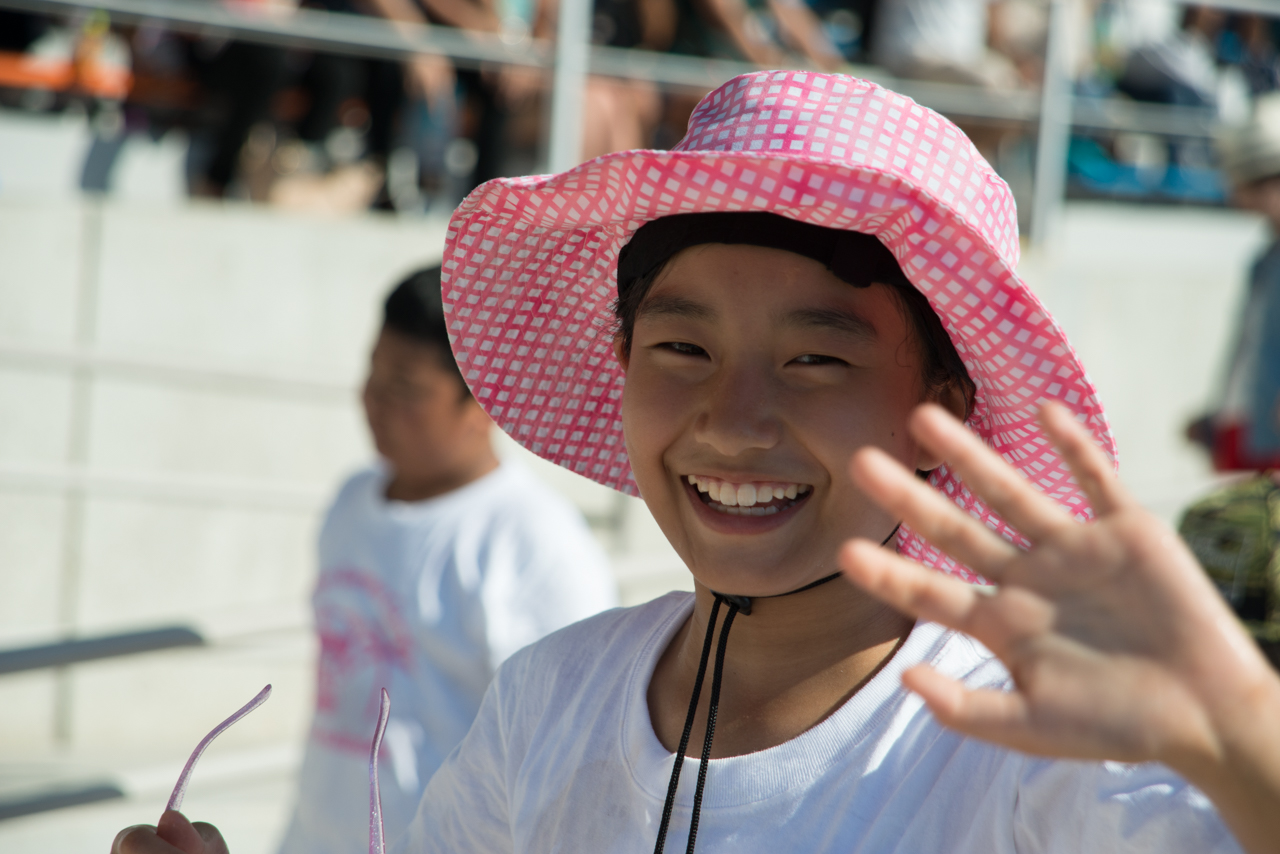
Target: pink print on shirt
(364, 640)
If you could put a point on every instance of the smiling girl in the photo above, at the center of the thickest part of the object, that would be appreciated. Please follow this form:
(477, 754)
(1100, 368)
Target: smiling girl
(823, 271)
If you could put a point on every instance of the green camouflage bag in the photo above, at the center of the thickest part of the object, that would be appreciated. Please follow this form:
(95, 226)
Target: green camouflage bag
(1235, 533)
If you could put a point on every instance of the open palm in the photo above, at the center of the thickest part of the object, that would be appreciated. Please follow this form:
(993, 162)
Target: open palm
(1118, 645)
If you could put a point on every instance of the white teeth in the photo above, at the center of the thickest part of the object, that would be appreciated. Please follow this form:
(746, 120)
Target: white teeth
(744, 498)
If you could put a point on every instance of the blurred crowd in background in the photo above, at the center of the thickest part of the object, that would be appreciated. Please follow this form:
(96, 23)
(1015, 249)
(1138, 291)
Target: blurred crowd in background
(319, 131)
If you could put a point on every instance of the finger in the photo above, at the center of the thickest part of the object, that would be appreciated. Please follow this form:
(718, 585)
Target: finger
(213, 841)
(983, 471)
(997, 716)
(915, 590)
(141, 839)
(174, 828)
(929, 513)
(1093, 469)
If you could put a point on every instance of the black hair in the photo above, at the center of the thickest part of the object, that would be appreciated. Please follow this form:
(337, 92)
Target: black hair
(415, 309)
(859, 259)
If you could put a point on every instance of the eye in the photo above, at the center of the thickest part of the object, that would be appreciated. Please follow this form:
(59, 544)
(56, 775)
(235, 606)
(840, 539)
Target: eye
(817, 359)
(684, 348)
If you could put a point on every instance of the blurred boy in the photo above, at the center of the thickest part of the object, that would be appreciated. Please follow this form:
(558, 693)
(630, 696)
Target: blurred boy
(435, 566)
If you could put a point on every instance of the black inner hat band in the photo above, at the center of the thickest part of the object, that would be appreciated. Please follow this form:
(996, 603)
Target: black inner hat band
(852, 256)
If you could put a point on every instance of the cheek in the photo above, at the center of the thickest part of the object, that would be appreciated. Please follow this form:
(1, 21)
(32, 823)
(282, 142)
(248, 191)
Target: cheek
(410, 429)
(651, 419)
(871, 410)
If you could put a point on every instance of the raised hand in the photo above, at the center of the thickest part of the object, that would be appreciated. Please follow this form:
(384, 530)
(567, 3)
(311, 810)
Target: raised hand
(1118, 645)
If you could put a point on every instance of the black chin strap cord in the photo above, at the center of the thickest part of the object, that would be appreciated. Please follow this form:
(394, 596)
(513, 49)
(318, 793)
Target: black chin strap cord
(688, 729)
(736, 605)
(712, 713)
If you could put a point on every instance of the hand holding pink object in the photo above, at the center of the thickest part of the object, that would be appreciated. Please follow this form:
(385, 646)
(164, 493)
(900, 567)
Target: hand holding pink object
(180, 790)
(173, 833)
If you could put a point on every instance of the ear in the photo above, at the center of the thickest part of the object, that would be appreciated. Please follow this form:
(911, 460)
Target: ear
(955, 401)
(620, 352)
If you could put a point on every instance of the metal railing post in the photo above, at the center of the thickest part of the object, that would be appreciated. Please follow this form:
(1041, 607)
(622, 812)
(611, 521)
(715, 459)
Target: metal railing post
(1054, 136)
(81, 423)
(573, 45)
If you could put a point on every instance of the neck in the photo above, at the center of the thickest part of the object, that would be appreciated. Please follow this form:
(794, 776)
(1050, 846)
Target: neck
(407, 487)
(788, 665)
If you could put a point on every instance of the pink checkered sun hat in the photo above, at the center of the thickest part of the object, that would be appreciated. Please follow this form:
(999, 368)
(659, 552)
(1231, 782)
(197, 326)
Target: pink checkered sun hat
(530, 269)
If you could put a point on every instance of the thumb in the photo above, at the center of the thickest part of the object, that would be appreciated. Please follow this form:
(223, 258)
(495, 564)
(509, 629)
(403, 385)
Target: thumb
(174, 828)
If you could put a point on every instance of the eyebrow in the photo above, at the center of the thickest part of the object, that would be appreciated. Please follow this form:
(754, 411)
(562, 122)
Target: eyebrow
(834, 319)
(672, 306)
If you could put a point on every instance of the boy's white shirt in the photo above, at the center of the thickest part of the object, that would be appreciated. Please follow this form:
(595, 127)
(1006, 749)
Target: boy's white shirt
(427, 599)
(563, 758)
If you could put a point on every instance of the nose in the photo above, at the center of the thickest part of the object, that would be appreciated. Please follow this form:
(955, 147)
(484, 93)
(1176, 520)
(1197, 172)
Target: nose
(740, 411)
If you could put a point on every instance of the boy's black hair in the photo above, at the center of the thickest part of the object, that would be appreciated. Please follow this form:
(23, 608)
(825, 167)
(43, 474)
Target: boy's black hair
(415, 309)
(859, 259)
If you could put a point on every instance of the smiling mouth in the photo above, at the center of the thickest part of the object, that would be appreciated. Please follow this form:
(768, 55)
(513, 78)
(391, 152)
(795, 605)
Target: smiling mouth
(748, 499)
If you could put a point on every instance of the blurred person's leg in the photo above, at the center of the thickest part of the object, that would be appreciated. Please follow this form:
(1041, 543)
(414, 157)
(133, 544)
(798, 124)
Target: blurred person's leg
(1018, 32)
(344, 175)
(490, 116)
(109, 138)
(248, 76)
(620, 115)
(385, 97)
(329, 81)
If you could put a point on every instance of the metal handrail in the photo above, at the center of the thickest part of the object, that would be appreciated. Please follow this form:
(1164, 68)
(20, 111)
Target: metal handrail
(184, 489)
(377, 38)
(276, 385)
(57, 798)
(80, 650)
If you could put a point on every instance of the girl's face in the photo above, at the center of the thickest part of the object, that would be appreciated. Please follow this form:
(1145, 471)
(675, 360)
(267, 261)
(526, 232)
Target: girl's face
(757, 373)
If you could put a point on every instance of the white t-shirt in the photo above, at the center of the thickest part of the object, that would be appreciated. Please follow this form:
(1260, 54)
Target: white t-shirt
(563, 758)
(426, 599)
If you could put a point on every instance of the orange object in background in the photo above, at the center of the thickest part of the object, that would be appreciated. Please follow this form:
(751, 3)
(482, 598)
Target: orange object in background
(84, 71)
(21, 71)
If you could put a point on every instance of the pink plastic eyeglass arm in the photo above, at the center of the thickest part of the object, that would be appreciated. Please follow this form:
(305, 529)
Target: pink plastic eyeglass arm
(377, 845)
(180, 790)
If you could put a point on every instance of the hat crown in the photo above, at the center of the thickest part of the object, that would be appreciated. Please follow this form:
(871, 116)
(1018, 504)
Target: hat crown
(846, 121)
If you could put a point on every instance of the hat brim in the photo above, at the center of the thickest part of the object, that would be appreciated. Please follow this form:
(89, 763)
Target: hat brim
(530, 278)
